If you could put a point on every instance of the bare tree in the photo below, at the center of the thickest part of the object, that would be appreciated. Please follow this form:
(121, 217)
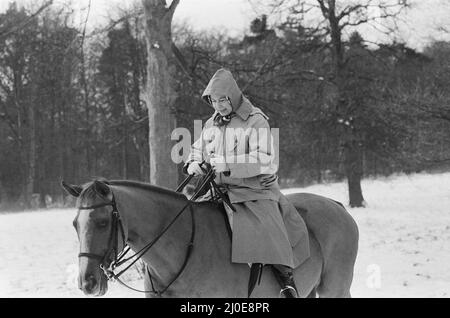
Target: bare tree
(160, 94)
(333, 19)
(338, 19)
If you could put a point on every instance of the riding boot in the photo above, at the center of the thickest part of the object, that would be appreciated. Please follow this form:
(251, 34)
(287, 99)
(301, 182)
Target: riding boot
(286, 280)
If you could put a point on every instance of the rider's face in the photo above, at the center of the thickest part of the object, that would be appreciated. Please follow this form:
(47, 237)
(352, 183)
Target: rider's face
(221, 104)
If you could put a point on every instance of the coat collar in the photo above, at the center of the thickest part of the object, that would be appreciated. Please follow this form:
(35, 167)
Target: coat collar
(245, 109)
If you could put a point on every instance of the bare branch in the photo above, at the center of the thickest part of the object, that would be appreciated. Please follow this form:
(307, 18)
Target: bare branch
(83, 35)
(442, 114)
(183, 64)
(325, 10)
(26, 21)
(388, 11)
(5, 116)
(443, 29)
(260, 69)
(173, 6)
(349, 10)
(114, 23)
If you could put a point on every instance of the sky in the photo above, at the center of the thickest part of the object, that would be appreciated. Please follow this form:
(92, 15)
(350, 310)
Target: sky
(234, 16)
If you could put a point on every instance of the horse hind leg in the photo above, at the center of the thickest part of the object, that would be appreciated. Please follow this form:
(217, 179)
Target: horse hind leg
(333, 292)
(337, 274)
(335, 285)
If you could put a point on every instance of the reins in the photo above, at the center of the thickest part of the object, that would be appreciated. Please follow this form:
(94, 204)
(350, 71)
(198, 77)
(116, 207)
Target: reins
(117, 225)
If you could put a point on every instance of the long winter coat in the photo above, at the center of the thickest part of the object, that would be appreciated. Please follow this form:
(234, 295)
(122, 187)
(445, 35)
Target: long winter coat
(265, 225)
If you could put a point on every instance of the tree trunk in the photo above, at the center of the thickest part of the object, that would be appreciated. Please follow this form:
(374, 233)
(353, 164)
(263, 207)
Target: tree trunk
(354, 172)
(31, 171)
(3, 196)
(124, 149)
(87, 138)
(62, 144)
(141, 157)
(316, 151)
(353, 158)
(159, 91)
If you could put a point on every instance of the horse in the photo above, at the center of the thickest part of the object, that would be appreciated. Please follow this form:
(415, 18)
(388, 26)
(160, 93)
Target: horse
(182, 264)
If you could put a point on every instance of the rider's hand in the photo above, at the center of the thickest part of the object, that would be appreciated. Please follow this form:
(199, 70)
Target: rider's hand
(218, 163)
(194, 168)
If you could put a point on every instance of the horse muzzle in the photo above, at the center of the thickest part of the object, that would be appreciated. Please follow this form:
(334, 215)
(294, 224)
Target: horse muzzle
(93, 283)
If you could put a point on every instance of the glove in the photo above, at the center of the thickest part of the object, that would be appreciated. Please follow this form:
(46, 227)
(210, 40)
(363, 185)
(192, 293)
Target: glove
(194, 168)
(218, 163)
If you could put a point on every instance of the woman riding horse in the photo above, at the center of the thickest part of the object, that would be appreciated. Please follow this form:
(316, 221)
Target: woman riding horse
(119, 215)
(238, 143)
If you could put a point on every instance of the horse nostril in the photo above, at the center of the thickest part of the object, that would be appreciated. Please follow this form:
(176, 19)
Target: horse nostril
(90, 283)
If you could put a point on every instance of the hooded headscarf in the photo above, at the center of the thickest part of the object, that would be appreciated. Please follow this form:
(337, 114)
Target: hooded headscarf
(223, 84)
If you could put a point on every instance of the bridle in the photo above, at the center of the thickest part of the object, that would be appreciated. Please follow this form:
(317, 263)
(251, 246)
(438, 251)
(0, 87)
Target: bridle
(116, 226)
(119, 259)
(113, 238)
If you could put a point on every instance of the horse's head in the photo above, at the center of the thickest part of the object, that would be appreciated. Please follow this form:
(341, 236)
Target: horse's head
(96, 228)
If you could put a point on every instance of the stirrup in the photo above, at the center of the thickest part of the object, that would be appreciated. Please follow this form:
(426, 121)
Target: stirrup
(288, 292)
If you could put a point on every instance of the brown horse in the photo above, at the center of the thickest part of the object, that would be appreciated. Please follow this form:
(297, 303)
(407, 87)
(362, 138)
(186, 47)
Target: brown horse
(145, 213)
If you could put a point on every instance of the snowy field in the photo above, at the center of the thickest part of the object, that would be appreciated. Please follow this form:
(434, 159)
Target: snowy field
(404, 248)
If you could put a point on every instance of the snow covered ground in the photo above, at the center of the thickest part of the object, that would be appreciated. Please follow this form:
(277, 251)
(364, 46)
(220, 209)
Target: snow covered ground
(404, 248)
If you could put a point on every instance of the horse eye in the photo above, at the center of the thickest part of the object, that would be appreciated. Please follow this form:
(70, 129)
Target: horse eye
(102, 223)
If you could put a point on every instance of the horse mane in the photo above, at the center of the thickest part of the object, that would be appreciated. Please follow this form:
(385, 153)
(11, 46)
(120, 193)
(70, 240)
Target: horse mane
(146, 186)
(165, 191)
(90, 192)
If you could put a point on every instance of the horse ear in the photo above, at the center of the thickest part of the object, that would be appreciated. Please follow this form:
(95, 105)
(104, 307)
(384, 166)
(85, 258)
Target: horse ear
(103, 189)
(71, 189)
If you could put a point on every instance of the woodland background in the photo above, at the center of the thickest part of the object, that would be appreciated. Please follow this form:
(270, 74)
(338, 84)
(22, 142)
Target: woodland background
(74, 105)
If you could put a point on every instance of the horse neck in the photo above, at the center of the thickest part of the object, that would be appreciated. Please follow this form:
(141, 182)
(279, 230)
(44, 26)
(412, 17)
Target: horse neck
(146, 214)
